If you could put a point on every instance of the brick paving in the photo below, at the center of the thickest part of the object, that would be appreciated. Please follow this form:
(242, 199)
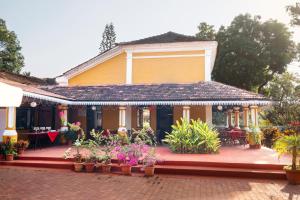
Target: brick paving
(31, 183)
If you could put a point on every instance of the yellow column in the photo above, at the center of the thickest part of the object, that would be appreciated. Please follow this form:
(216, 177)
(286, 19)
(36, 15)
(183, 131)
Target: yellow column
(229, 118)
(10, 129)
(122, 117)
(186, 113)
(254, 115)
(236, 117)
(246, 117)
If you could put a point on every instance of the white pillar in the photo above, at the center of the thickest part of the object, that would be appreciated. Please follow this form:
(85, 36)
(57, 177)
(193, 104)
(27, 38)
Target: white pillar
(236, 117)
(254, 115)
(122, 117)
(10, 125)
(246, 117)
(128, 67)
(207, 70)
(128, 118)
(186, 113)
(64, 110)
(208, 114)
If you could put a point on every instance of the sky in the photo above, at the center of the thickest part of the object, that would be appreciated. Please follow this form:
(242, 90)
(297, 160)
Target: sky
(57, 35)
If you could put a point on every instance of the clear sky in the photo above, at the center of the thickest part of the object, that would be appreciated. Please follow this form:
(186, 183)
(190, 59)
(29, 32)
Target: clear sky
(59, 34)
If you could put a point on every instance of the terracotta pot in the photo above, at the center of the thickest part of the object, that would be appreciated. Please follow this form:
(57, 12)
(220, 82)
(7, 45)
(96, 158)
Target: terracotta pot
(106, 168)
(126, 169)
(78, 167)
(293, 176)
(149, 171)
(9, 157)
(21, 151)
(89, 167)
(255, 146)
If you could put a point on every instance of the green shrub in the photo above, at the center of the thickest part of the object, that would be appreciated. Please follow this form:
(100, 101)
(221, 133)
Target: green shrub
(194, 137)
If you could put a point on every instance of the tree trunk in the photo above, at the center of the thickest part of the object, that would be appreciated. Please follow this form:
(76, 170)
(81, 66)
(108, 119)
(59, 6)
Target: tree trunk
(294, 158)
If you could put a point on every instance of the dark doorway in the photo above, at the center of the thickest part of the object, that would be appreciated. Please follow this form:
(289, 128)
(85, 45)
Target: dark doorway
(164, 121)
(90, 120)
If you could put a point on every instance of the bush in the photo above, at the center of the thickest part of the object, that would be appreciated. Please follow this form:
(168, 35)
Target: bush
(145, 135)
(194, 137)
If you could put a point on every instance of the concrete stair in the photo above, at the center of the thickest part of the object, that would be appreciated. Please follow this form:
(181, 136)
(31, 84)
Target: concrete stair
(243, 170)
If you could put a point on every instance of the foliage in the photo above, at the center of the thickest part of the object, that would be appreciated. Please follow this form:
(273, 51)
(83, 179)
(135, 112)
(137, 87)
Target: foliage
(294, 12)
(250, 51)
(254, 136)
(2, 148)
(130, 154)
(206, 32)
(108, 38)
(11, 59)
(9, 147)
(78, 145)
(270, 135)
(285, 91)
(291, 145)
(150, 158)
(194, 137)
(22, 144)
(145, 135)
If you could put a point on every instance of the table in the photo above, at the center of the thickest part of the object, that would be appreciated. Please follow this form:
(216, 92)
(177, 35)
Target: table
(38, 135)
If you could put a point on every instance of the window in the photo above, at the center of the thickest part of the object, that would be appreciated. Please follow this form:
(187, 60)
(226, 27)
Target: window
(143, 116)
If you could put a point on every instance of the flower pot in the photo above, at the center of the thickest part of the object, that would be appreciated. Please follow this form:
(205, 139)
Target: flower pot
(21, 151)
(9, 157)
(149, 171)
(126, 169)
(106, 168)
(78, 167)
(255, 146)
(89, 167)
(293, 176)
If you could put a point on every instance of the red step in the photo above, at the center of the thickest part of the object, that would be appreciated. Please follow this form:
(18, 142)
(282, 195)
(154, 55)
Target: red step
(39, 164)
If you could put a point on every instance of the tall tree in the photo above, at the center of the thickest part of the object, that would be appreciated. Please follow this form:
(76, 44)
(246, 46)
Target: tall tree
(108, 38)
(294, 11)
(285, 91)
(206, 32)
(11, 58)
(250, 52)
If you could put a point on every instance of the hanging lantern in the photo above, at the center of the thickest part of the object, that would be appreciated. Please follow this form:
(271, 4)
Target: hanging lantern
(220, 107)
(33, 104)
(93, 107)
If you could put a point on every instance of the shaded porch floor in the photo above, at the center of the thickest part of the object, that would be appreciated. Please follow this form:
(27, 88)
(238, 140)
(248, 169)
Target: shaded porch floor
(227, 154)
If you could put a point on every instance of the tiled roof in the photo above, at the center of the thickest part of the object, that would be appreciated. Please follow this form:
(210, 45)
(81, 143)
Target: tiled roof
(168, 37)
(202, 91)
(28, 80)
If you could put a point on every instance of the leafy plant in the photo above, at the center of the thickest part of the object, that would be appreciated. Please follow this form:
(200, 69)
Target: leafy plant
(254, 136)
(290, 145)
(150, 158)
(22, 144)
(9, 147)
(145, 135)
(194, 137)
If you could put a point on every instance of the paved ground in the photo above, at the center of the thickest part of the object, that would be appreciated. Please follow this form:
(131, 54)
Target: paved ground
(31, 183)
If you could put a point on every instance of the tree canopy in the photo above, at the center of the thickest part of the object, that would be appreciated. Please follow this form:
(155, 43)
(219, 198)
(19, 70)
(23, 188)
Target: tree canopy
(108, 38)
(11, 58)
(250, 51)
(284, 90)
(206, 32)
(294, 11)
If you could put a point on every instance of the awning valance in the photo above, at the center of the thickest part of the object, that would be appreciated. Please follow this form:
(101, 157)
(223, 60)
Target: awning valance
(10, 96)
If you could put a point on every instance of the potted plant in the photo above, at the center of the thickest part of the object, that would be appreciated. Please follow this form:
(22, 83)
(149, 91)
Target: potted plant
(2, 150)
(9, 150)
(149, 162)
(89, 163)
(254, 138)
(290, 144)
(21, 145)
(78, 163)
(106, 163)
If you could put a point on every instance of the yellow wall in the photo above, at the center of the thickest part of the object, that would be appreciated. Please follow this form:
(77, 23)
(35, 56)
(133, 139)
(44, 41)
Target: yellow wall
(112, 71)
(196, 112)
(168, 70)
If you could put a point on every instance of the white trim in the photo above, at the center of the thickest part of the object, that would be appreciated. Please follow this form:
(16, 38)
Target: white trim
(128, 67)
(11, 117)
(208, 64)
(169, 56)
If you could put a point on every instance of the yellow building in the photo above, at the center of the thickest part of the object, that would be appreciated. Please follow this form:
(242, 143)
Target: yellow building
(155, 80)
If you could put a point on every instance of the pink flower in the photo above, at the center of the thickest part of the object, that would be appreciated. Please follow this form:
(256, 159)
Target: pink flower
(78, 124)
(61, 114)
(133, 161)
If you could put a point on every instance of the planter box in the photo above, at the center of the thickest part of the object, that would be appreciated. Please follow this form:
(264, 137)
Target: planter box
(293, 176)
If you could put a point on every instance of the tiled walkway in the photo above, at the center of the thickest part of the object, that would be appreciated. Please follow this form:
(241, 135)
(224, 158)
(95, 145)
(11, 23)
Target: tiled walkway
(228, 154)
(29, 183)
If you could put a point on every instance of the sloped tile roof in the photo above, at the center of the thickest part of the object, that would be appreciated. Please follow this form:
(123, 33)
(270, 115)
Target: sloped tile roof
(202, 91)
(168, 37)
